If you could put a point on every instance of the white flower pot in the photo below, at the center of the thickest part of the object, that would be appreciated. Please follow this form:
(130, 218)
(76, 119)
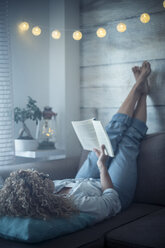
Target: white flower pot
(25, 145)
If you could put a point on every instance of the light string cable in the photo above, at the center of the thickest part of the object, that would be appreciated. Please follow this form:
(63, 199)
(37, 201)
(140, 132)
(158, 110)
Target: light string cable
(58, 31)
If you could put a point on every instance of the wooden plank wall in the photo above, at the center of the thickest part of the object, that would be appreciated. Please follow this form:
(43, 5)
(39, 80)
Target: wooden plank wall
(105, 64)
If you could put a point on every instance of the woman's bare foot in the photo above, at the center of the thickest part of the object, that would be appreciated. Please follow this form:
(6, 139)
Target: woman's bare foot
(145, 70)
(136, 71)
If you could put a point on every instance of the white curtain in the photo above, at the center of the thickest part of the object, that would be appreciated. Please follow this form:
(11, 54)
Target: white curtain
(6, 99)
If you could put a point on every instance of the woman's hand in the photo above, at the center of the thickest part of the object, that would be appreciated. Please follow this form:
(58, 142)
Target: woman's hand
(102, 157)
(105, 178)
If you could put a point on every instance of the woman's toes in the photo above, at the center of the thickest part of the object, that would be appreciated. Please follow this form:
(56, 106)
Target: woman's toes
(136, 71)
(146, 68)
(145, 63)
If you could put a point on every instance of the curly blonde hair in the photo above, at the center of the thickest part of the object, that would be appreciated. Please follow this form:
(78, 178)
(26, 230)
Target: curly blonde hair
(28, 193)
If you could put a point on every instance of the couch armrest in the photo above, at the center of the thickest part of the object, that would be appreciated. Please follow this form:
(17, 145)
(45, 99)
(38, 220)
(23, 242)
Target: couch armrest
(57, 169)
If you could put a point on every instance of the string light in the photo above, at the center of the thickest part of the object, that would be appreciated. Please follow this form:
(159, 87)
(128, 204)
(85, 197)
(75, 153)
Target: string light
(56, 34)
(101, 32)
(36, 31)
(121, 27)
(164, 4)
(77, 35)
(144, 18)
(23, 26)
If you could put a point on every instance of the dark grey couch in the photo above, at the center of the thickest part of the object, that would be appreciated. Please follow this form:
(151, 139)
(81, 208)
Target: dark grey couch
(141, 225)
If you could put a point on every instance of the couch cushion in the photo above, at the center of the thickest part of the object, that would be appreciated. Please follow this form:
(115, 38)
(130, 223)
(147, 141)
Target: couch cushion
(151, 170)
(148, 231)
(34, 230)
(97, 231)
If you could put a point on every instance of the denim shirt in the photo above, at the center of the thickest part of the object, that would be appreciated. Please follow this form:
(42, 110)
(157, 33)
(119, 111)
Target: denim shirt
(88, 197)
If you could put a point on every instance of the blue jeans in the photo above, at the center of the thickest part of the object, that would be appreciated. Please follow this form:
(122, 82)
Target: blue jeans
(126, 134)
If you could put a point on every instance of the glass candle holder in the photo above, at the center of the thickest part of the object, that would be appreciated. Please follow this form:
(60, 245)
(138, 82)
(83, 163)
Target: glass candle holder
(46, 130)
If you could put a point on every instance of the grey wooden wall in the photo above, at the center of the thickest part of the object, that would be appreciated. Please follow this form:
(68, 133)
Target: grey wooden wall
(105, 64)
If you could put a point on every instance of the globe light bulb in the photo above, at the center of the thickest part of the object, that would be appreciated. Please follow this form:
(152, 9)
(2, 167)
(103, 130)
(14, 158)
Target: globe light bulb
(101, 32)
(164, 4)
(144, 18)
(36, 31)
(77, 35)
(121, 27)
(56, 34)
(23, 26)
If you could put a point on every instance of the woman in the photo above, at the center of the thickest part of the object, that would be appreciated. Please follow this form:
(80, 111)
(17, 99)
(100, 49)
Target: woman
(103, 186)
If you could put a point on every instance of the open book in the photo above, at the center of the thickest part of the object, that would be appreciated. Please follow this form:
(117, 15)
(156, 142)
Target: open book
(92, 134)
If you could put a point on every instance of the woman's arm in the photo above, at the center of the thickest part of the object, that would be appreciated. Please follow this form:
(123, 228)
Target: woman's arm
(105, 178)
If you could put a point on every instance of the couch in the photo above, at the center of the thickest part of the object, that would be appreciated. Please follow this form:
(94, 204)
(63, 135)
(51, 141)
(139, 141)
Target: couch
(142, 224)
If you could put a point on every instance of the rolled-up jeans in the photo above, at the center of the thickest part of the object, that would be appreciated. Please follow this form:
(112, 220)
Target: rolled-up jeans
(125, 134)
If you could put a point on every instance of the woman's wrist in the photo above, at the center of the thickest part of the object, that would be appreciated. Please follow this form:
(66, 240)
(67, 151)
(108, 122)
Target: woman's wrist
(105, 179)
(101, 166)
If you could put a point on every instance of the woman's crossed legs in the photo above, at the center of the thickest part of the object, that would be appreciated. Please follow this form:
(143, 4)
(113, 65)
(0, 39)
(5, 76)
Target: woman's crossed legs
(126, 131)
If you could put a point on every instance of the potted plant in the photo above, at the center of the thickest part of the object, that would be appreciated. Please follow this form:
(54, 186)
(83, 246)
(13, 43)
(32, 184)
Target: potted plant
(25, 140)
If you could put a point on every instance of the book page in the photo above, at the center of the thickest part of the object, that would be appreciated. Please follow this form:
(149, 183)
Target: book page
(103, 138)
(86, 133)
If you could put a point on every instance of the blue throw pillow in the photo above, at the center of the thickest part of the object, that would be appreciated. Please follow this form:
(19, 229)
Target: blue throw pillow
(34, 230)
